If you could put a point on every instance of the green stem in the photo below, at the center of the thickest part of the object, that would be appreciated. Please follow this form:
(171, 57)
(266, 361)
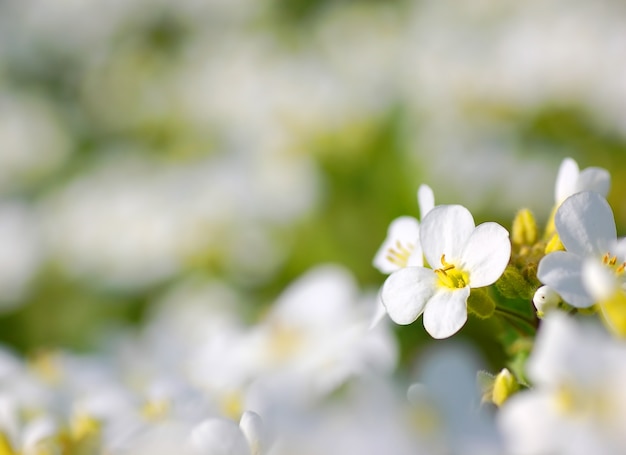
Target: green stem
(517, 320)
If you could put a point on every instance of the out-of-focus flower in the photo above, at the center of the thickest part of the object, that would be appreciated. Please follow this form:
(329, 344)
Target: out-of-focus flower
(586, 227)
(570, 180)
(33, 141)
(224, 437)
(576, 404)
(131, 223)
(318, 331)
(470, 257)
(445, 403)
(20, 252)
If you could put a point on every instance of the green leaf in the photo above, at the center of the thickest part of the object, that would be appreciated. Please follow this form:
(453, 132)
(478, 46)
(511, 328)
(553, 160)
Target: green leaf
(480, 304)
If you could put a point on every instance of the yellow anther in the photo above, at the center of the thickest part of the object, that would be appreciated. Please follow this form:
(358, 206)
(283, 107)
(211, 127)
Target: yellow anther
(400, 254)
(456, 279)
(446, 266)
(611, 261)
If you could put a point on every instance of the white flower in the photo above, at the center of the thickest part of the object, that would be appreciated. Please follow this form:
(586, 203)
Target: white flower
(318, 331)
(445, 399)
(577, 404)
(466, 256)
(401, 247)
(570, 180)
(586, 227)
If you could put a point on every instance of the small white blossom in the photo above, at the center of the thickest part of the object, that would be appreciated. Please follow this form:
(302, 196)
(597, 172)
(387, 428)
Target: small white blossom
(463, 256)
(401, 247)
(570, 180)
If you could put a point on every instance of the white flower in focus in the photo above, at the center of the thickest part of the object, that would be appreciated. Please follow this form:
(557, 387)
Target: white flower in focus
(577, 404)
(570, 180)
(586, 227)
(463, 256)
(401, 248)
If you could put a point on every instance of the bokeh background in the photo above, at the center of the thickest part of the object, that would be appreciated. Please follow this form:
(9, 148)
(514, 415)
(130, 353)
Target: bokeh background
(149, 144)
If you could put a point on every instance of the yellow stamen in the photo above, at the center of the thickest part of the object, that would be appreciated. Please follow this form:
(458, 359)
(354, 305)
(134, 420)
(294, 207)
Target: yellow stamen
(611, 261)
(400, 254)
(451, 277)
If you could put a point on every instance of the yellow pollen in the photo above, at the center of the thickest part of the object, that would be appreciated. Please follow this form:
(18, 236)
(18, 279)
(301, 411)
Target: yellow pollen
(400, 254)
(451, 277)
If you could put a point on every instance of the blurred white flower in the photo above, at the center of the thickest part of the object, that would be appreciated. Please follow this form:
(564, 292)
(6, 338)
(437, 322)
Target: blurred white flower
(445, 403)
(33, 142)
(576, 404)
(318, 331)
(20, 252)
(225, 437)
(570, 180)
(586, 228)
(131, 223)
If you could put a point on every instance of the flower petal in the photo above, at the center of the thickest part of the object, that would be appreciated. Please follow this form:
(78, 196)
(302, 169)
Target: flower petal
(566, 180)
(403, 230)
(446, 312)
(599, 280)
(406, 291)
(219, 437)
(445, 230)
(585, 224)
(562, 271)
(618, 249)
(425, 200)
(486, 254)
(594, 179)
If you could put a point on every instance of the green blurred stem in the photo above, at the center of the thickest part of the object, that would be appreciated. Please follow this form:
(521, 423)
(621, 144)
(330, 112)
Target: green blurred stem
(520, 323)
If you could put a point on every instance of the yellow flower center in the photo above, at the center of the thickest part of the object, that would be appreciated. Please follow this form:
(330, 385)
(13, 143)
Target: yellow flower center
(399, 254)
(450, 276)
(586, 404)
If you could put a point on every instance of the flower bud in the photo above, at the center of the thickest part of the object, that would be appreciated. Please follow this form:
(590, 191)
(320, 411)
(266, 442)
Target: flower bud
(504, 386)
(554, 244)
(524, 229)
(545, 299)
